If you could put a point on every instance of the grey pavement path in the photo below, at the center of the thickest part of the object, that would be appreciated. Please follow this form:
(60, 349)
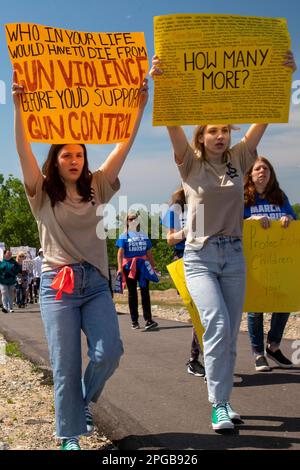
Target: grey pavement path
(151, 402)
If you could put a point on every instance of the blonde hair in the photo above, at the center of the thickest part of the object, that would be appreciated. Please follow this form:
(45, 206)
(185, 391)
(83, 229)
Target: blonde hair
(20, 254)
(199, 147)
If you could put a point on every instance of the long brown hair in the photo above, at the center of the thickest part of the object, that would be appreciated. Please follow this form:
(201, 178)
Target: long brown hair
(199, 147)
(273, 193)
(54, 185)
(178, 197)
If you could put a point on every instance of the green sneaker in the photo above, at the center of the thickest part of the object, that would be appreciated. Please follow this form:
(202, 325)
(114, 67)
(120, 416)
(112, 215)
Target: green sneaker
(233, 415)
(70, 444)
(220, 417)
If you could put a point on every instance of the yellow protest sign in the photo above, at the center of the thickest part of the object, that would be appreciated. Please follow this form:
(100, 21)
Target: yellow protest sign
(80, 87)
(176, 271)
(273, 267)
(221, 69)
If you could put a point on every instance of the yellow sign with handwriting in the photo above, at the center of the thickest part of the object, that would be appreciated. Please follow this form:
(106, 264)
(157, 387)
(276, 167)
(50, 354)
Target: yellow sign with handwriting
(273, 267)
(221, 69)
(79, 87)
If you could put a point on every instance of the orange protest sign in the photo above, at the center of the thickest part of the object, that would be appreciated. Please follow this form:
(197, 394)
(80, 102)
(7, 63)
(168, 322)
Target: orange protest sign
(79, 87)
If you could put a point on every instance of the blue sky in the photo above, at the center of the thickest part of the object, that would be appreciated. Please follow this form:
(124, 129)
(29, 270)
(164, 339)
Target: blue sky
(149, 175)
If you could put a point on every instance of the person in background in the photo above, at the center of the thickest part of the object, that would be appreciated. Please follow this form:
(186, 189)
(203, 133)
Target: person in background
(9, 269)
(265, 201)
(22, 281)
(29, 292)
(175, 221)
(37, 272)
(135, 261)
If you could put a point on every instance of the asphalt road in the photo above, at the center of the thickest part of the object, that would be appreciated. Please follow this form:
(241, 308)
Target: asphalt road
(151, 402)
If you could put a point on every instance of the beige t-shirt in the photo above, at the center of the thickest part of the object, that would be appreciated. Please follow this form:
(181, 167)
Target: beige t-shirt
(220, 190)
(68, 230)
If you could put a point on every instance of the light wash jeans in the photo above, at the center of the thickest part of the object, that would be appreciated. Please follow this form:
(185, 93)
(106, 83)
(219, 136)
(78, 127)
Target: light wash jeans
(215, 277)
(256, 330)
(91, 309)
(7, 296)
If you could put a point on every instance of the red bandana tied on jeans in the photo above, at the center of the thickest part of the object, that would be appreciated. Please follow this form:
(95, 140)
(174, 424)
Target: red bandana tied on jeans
(63, 282)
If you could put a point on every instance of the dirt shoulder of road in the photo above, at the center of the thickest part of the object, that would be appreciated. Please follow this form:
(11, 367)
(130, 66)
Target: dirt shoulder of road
(27, 411)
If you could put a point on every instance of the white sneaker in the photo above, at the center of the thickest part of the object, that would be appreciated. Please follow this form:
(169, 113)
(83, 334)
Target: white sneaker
(233, 415)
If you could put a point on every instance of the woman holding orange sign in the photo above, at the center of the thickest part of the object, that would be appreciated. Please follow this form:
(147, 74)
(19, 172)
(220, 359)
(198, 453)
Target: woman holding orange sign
(74, 291)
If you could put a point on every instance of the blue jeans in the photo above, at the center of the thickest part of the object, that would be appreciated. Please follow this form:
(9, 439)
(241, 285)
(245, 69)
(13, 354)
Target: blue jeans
(90, 308)
(7, 296)
(21, 294)
(256, 330)
(215, 277)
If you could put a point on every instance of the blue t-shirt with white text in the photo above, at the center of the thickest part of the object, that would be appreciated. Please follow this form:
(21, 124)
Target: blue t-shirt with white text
(274, 212)
(134, 244)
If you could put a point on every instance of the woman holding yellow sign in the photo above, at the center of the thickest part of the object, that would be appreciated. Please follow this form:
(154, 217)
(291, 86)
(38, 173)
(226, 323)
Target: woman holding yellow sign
(265, 201)
(212, 174)
(74, 293)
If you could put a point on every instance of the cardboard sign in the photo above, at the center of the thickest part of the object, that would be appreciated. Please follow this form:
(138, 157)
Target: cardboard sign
(29, 251)
(273, 267)
(221, 69)
(28, 265)
(80, 87)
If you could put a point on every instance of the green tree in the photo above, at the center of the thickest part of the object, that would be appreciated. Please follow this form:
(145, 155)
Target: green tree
(17, 224)
(163, 255)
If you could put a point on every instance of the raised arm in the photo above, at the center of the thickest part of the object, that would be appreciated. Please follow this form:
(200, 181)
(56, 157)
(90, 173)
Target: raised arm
(29, 165)
(114, 162)
(179, 142)
(176, 133)
(253, 136)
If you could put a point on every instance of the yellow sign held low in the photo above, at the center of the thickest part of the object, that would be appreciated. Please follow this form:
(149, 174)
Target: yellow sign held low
(176, 271)
(273, 265)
